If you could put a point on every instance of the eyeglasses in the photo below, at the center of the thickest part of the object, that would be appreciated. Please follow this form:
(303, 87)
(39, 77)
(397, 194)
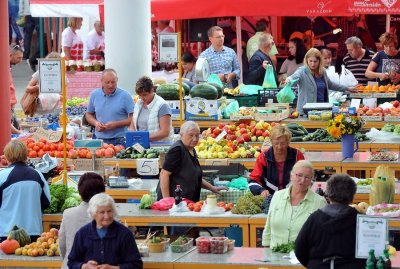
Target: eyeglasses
(301, 176)
(17, 47)
(220, 36)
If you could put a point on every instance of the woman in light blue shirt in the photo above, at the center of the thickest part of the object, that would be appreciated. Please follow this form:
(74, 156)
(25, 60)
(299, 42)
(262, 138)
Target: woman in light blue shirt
(291, 207)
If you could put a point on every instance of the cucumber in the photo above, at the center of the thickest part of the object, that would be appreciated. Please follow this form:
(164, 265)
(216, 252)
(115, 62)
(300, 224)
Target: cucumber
(297, 139)
(296, 132)
(293, 125)
(303, 129)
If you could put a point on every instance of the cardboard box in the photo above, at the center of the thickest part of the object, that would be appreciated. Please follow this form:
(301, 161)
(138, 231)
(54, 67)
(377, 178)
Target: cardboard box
(282, 112)
(202, 109)
(175, 109)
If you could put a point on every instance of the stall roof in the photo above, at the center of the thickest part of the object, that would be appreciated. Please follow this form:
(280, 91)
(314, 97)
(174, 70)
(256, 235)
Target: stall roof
(191, 9)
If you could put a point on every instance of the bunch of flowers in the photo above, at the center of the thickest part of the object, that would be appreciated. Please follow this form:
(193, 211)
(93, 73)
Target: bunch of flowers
(344, 125)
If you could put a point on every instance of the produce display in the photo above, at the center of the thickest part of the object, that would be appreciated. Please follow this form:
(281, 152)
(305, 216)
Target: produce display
(46, 244)
(241, 132)
(376, 88)
(322, 135)
(62, 197)
(361, 207)
(51, 118)
(146, 201)
(9, 246)
(20, 235)
(182, 244)
(196, 207)
(211, 149)
(364, 182)
(248, 204)
(383, 156)
(391, 128)
(203, 244)
(298, 132)
(218, 245)
(386, 210)
(131, 153)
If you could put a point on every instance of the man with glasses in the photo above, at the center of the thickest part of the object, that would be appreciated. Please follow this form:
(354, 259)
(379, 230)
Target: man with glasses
(16, 54)
(222, 60)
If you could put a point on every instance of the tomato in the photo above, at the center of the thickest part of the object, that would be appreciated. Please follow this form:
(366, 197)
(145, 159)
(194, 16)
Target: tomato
(191, 206)
(30, 145)
(40, 153)
(197, 208)
(40, 144)
(60, 146)
(53, 146)
(46, 147)
(36, 148)
(221, 204)
(32, 154)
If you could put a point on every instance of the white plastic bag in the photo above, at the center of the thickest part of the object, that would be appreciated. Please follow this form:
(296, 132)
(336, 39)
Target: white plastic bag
(332, 75)
(47, 103)
(347, 78)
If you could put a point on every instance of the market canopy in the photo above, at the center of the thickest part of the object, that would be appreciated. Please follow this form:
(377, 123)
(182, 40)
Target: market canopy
(191, 9)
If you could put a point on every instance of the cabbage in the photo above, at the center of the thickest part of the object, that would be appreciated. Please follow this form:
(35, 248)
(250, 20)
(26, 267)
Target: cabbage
(146, 202)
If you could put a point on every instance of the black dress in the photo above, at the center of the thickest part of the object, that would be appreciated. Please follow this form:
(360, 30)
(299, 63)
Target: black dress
(186, 171)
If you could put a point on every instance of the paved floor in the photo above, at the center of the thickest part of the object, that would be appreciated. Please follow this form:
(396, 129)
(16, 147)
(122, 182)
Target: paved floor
(22, 74)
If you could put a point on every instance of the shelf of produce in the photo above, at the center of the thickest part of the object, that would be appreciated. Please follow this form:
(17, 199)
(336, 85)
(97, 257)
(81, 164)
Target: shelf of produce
(392, 144)
(361, 163)
(133, 216)
(238, 258)
(205, 123)
(364, 197)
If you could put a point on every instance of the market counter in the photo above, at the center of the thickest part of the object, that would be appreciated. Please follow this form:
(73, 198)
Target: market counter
(133, 216)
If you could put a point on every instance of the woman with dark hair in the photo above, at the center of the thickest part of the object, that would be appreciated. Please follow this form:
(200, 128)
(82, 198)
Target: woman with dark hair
(329, 234)
(297, 51)
(188, 64)
(74, 218)
(151, 113)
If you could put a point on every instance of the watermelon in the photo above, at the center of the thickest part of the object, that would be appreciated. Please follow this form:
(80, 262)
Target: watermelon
(169, 91)
(185, 87)
(204, 90)
(220, 89)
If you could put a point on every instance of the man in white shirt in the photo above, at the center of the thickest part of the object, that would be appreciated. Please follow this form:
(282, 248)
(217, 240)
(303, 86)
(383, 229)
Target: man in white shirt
(95, 42)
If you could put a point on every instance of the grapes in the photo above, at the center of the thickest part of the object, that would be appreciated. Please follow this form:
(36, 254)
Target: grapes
(364, 182)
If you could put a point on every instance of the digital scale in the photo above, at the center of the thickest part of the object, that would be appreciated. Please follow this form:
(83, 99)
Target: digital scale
(118, 182)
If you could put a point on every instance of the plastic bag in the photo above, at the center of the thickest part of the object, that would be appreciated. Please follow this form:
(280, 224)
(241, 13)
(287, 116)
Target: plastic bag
(332, 75)
(47, 103)
(269, 78)
(250, 89)
(232, 108)
(286, 95)
(347, 78)
(238, 183)
(382, 186)
(214, 78)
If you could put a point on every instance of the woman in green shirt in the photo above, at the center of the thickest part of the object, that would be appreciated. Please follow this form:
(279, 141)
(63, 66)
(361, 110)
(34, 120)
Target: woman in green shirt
(291, 207)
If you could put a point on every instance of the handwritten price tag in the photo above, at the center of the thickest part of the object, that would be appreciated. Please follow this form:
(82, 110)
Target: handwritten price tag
(220, 136)
(139, 148)
(50, 136)
(147, 167)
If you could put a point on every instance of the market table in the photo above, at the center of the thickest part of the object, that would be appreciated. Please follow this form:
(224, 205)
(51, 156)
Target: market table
(360, 162)
(163, 260)
(238, 258)
(327, 146)
(327, 161)
(257, 222)
(134, 191)
(384, 144)
(133, 216)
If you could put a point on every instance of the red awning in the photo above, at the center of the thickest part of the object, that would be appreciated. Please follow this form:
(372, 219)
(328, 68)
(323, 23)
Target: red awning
(374, 6)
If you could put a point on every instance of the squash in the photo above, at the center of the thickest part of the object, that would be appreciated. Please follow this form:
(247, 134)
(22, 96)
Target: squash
(204, 90)
(20, 235)
(9, 245)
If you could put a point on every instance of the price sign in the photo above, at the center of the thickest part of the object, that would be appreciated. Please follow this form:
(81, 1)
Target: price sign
(139, 148)
(371, 233)
(216, 162)
(220, 136)
(147, 167)
(49, 135)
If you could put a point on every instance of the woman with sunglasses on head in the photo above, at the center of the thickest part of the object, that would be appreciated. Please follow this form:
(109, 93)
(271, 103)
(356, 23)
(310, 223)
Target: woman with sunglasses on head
(72, 44)
(291, 207)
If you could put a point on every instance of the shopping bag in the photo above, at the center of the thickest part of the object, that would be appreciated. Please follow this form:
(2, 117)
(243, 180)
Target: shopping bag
(332, 75)
(28, 103)
(347, 78)
(269, 78)
(286, 95)
(47, 103)
(213, 78)
(232, 108)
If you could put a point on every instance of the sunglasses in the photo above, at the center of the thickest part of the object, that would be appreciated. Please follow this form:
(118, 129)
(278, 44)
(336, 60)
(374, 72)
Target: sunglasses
(17, 48)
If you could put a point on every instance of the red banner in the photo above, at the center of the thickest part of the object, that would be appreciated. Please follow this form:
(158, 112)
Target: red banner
(374, 6)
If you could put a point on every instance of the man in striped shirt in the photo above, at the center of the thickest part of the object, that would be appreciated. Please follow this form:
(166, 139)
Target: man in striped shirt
(222, 60)
(357, 59)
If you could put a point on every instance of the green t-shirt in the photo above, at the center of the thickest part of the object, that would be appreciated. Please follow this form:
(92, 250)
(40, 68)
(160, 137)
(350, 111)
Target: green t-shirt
(252, 46)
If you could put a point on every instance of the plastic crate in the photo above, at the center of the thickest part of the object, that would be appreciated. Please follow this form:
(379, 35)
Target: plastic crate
(246, 100)
(182, 248)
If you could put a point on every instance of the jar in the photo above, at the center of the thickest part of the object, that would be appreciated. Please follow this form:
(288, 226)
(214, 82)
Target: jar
(211, 201)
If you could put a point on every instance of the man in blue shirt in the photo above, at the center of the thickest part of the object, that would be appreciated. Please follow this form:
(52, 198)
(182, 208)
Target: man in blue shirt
(110, 110)
(222, 60)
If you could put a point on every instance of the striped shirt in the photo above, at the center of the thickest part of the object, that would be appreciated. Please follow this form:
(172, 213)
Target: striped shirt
(358, 68)
(222, 62)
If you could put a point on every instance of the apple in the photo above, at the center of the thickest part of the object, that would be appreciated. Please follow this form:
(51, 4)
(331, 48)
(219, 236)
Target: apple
(240, 140)
(265, 133)
(365, 108)
(378, 110)
(242, 125)
(232, 127)
(260, 139)
(259, 133)
(386, 111)
(238, 133)
(246, 137)
(396, 103)
(253, 138)
(253, 131)
(221, 126)
(369, 112)
(216, 131)
(213, 135)
(243, 130)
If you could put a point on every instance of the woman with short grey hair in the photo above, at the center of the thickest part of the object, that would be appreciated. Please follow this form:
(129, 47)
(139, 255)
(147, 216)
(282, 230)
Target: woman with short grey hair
(104, 243)
(328, 237)
(181, 167)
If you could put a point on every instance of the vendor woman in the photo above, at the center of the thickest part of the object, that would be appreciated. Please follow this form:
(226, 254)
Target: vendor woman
(152, 113)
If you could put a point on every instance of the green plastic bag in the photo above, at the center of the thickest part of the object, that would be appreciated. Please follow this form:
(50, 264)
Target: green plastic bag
(232, 108)
(269, 78)
(250, 89)
(239, 183)
(214, 78)
(286, 95)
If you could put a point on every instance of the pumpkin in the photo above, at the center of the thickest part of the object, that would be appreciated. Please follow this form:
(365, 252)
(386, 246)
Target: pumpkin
(20, 235)
(9, 245)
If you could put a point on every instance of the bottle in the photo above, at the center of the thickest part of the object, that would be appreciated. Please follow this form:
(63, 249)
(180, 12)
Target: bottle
(116, 170)
(319, 190)
(106, 176)
(178, 194)
(380, 264)
(386, 258)
(371, 261)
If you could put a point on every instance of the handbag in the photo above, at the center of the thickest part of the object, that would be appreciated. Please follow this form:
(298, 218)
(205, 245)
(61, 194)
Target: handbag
(29, 103)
